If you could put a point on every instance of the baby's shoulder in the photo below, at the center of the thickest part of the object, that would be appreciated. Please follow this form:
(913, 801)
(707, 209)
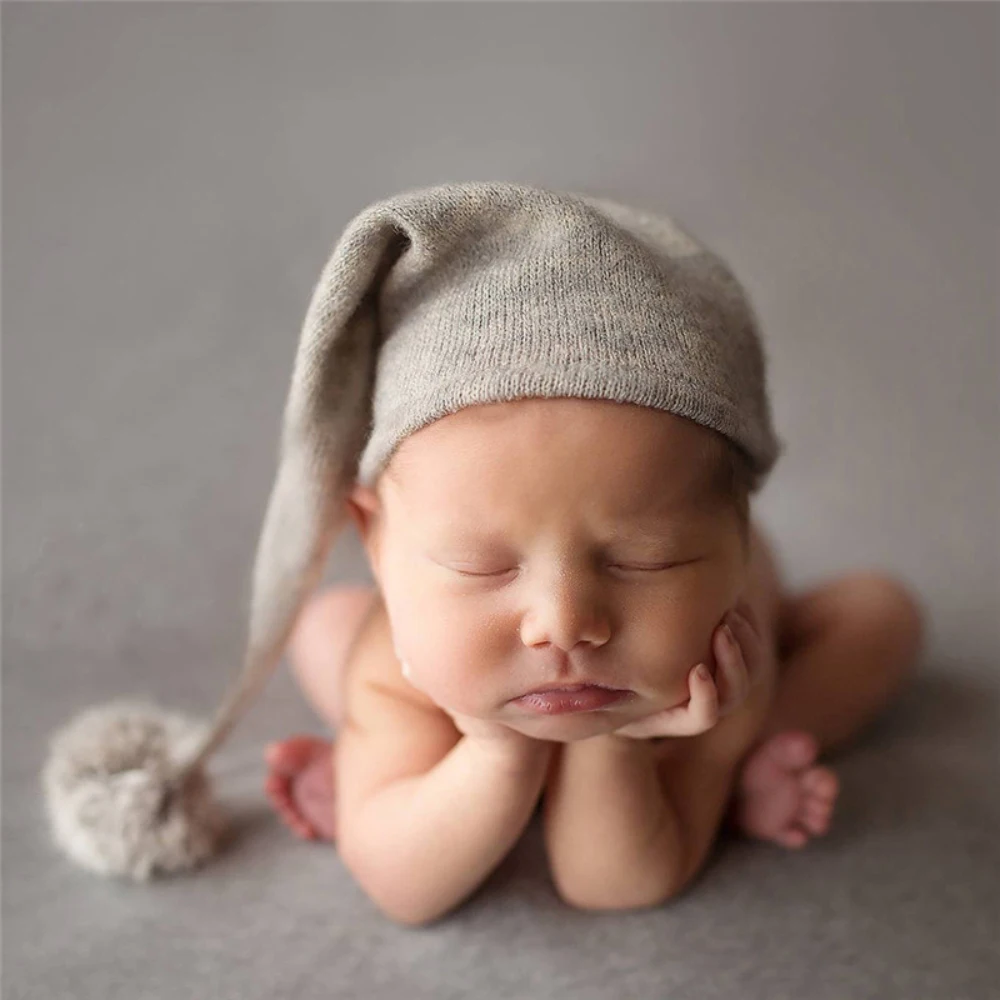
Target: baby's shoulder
(766, 585)
(389, 729)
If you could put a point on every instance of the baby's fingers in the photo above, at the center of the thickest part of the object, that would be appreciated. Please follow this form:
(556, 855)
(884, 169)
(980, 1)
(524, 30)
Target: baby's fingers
(697, 714)
(703, 709)
(748, 637)
(733, 671)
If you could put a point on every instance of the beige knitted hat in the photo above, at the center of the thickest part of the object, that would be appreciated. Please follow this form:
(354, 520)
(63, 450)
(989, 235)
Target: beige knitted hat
(432, 300)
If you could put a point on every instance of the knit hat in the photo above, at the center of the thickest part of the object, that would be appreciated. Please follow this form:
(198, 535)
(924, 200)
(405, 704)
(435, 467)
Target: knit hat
(433, 300)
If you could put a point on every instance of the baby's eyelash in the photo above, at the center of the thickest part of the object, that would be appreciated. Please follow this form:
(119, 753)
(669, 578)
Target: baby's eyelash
(658, 568)
(644, 569)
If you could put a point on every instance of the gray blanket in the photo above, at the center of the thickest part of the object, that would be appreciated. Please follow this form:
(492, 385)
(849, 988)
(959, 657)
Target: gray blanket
(170, 191)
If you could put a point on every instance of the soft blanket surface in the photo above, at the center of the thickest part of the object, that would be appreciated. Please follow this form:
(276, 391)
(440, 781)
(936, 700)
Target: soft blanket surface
(174, 176)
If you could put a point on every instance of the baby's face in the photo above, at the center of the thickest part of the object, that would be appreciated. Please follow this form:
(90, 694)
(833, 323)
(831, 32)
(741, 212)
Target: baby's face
(545, 543)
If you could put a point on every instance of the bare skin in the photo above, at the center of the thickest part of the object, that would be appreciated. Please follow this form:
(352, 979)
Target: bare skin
(844, 647)
(606, 559)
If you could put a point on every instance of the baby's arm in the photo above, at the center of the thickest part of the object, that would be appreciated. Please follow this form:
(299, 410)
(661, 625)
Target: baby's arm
(611, 837)
(424, 813)
(628, 823)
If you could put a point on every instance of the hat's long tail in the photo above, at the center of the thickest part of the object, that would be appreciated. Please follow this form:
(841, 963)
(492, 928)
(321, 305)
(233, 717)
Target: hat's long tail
(326, 421)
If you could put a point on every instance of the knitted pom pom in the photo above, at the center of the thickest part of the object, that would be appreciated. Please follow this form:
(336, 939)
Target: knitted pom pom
(112, 795)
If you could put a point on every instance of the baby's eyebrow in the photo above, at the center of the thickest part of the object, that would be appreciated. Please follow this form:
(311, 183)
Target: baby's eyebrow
(664, 529)
(646, 529)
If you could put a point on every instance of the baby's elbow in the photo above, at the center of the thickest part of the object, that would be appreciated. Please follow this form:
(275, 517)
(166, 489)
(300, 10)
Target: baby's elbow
(404, 913)
(399, 902)
(397, 898)
(409, 903)
(615, 881)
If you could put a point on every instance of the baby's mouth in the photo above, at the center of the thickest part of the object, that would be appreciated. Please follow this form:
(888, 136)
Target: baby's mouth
(564, 699)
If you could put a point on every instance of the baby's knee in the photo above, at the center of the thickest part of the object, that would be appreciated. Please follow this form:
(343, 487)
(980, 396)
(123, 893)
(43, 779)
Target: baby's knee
(326, 628)
(886, 599)
(885, 605)
(335, 613)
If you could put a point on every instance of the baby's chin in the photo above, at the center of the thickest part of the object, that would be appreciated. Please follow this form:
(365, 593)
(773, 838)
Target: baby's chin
(569, 727)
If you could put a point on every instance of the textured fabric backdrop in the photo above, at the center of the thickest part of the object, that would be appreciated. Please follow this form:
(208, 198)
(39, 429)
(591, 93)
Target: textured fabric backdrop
(175, 176)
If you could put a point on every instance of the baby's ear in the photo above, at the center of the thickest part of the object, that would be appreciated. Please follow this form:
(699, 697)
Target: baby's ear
(365, 509)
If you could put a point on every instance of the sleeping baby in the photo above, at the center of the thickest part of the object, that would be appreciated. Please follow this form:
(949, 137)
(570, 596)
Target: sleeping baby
(547, 416)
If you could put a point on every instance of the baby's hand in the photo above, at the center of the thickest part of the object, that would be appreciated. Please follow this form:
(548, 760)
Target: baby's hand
(494, 737)
(485, 729)
(738, 650)
(501, 744)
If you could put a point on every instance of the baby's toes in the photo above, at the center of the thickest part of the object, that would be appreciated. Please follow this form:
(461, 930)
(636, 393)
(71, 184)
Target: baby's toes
(817, 823)
(815, 816)
(292, 755)
(314, 798)
(792, 749)
(821, 784)
(793, 837)
(279, 791)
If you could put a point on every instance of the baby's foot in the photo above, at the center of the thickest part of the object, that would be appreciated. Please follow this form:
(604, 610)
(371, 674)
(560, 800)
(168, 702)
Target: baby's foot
(780, 796)
(300, 785)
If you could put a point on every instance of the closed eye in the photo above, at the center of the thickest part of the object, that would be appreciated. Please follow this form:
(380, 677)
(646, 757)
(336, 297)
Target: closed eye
(650, 569)
(464, 572)
(657, 568)
(644, 569)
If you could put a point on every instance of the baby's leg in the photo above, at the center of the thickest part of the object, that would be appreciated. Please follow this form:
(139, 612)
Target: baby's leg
(845, 648)
(300, 769)
(320, 642)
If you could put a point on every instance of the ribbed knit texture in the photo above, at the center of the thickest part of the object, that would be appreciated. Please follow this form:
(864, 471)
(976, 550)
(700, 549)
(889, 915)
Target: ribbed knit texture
(451, 296)
(505, 291)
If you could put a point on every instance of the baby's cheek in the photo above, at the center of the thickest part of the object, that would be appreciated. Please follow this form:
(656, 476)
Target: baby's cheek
(431, 664)
(449, 690)
(676, 648)
(666, 678)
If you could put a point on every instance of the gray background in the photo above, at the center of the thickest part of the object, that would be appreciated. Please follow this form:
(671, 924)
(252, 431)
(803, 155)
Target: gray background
(174, 178)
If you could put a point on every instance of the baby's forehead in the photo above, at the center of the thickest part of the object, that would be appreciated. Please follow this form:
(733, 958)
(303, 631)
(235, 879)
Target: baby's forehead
(595, 428)
(473, 512)
(458, 476)
(484, 519)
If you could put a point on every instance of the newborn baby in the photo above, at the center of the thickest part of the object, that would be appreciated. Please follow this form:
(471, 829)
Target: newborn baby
(547, 414)
(574, 607)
